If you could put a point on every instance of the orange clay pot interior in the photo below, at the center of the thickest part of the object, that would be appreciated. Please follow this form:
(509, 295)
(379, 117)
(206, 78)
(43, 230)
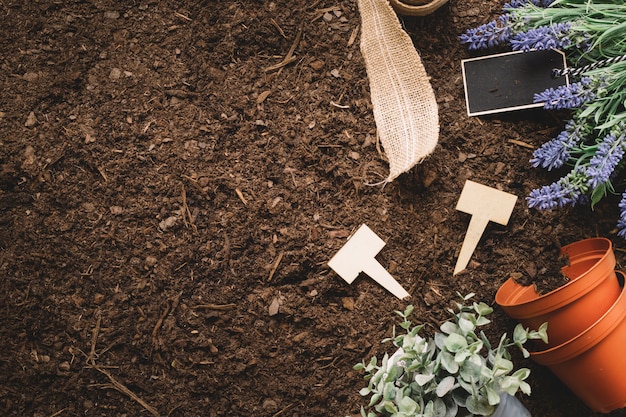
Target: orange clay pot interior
(573, 307)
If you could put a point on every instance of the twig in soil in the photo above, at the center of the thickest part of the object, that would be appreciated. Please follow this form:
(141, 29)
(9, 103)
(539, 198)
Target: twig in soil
(187, 218)
(182, 16)
(284, 410)
(278, 28)
(315, 3)
(58, 413)
(275, 266)
(91, 360)
(520, 143)
(103, 174)
(353, 35)
(218, 307)
(124, 390)
(195, 185)
(340, 106)
(168, 310)
(226, 250)
(289, 58)
(241, 197)
(328, 365)
(173, 409)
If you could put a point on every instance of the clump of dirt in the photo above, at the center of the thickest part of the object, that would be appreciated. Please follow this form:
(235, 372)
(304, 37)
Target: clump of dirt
(544, 271)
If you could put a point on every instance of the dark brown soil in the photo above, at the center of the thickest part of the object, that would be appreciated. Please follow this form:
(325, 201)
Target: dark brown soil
(168, 206)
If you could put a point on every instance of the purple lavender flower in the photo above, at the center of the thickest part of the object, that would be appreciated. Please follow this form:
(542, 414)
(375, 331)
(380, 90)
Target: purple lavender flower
(488, 35)
(566, 96)
(515, 4)
(621, 224)
(543, 37)
(608, 154)
(569, 190)
(555, 153)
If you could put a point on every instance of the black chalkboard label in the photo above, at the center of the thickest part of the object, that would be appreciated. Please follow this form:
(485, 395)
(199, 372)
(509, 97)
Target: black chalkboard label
(508, 81)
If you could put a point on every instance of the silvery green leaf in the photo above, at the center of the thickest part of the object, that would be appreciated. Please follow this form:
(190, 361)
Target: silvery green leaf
(475, 347)
(422, 379)
(429, 410)
(468, 296)
(520, 335)
(375, 398)
(483, 309)
(365, 391)
(466, 325)
(525, 351)
(524, 387)
(407, 406)
(450, 407)
(492, 396)
(510, 385)
(440, 339)
(462, 355)
(482, 321)
(471, 371)
(448, 363)
(448, 327)
(372, 364)
(541, 333)
(445, 386)
(439, 408)
(479, 406)
(502, 366)
(389, 391)
(390, 407)
(455, 342)
(521, 374)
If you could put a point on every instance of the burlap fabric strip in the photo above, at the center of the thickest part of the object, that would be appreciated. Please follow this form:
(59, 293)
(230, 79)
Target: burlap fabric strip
(405, 109)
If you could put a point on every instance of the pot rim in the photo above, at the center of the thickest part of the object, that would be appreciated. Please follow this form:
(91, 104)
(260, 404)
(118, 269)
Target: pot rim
(510, 291)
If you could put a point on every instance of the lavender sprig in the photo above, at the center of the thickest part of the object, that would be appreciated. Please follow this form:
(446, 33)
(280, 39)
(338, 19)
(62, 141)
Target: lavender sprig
(556, 36)
(555, 153)
(514, 4)
(603, 163)
(567, 96)
(568, 191)
(496, 32)
(621, 224)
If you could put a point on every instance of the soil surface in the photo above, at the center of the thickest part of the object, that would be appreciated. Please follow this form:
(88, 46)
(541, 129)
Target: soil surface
(170, 197)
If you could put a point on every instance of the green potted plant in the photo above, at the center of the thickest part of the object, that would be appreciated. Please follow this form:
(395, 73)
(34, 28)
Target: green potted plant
(456, 372)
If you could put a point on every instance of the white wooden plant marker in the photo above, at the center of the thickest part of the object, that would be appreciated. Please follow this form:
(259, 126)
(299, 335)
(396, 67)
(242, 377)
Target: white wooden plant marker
(358, 255)
(484, 204)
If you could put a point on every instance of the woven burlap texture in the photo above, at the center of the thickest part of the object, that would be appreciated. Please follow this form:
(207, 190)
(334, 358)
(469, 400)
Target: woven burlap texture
(405, 108)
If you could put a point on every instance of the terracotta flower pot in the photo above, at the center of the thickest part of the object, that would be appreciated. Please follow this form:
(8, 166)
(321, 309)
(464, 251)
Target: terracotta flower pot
(573, 307)
(593, 364)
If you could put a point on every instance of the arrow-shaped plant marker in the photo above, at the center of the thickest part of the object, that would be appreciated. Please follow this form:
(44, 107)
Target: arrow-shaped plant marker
(484, 204)
(358, 255)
